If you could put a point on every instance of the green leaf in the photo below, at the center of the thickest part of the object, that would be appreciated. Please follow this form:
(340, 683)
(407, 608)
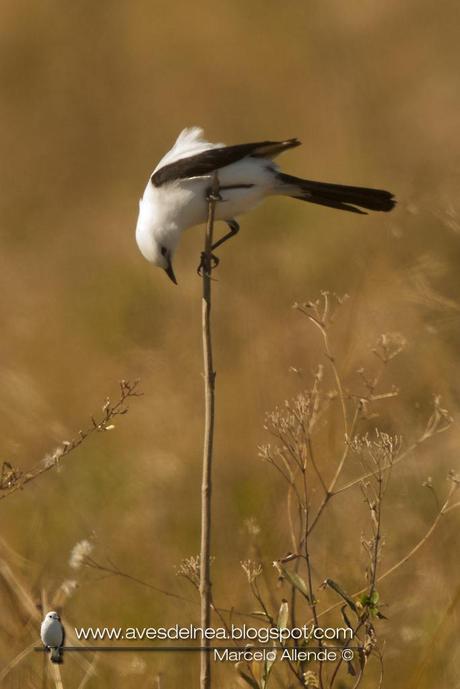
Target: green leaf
(371, 602)
(374, 599)
(343, 594)
(297, 582)
(364, 600)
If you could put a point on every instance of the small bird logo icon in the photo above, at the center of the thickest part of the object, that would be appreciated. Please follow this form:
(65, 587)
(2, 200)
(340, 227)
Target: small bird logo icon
(52, 634)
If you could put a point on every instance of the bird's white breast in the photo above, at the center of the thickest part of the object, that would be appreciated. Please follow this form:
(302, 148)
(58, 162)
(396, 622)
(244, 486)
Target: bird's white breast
(186, 199)
(165, 211)
(51, 633)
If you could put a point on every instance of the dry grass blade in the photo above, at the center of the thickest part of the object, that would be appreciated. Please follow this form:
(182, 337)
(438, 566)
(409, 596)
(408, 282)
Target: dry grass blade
(16, 660)
(90, 672)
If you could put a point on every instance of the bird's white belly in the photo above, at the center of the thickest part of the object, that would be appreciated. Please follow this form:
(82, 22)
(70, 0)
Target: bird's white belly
(52, 634)
(235, 201)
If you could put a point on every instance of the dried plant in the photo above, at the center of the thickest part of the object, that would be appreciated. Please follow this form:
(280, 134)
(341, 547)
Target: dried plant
(297, 456)
(13, 478)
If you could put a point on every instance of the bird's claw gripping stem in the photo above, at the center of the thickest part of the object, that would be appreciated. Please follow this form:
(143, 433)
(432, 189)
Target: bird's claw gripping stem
(207, 266)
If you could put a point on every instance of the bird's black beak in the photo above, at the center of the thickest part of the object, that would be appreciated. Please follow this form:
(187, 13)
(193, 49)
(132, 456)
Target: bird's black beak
(169, 272)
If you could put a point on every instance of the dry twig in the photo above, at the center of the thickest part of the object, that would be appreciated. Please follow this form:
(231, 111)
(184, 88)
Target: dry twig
(13, 479)
(206, 485)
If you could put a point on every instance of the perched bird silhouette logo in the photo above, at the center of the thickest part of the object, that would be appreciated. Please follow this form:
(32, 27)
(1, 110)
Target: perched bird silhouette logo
(53, 636)
(175, 197)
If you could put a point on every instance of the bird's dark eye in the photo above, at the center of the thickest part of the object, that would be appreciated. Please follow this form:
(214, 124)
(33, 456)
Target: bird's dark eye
(164, 251)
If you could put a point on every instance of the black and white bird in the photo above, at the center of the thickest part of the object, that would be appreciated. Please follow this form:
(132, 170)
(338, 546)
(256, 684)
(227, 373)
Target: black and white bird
(176, 194)
(53, 636)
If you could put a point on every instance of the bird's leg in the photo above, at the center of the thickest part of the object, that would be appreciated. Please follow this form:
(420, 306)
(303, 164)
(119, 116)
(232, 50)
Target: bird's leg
(233, 227)
(204, 267)
(233, 230)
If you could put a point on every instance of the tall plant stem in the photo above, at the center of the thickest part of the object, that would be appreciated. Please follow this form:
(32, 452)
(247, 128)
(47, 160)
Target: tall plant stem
(209, 397)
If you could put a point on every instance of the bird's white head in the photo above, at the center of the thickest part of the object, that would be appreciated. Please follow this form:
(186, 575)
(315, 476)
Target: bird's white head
(52, 616)
(157, 238)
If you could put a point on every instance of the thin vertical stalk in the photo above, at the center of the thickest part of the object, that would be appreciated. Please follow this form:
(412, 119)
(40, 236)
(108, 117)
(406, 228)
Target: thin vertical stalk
(206, 484)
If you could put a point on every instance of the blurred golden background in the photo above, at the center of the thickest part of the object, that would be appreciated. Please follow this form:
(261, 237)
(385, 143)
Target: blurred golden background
(93, 94)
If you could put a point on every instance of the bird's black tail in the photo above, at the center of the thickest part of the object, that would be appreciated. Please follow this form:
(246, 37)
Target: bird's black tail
(336, 195)
(57, 656)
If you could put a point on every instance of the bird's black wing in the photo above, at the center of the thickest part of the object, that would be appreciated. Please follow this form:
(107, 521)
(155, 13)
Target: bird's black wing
(206, 162)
